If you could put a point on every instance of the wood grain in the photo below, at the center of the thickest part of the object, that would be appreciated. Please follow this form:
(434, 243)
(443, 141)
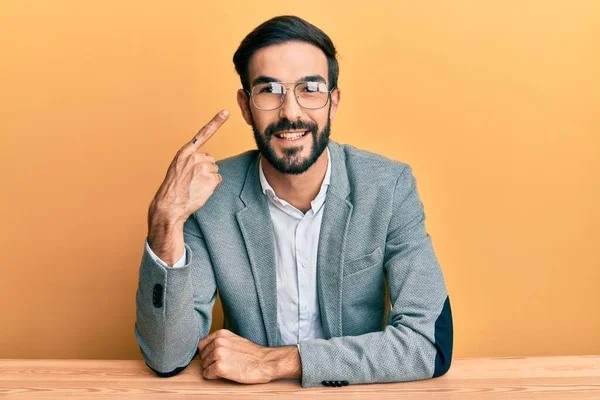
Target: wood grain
(568, 377)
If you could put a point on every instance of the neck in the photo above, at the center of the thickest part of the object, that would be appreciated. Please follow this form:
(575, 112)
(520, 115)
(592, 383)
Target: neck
(298, 190)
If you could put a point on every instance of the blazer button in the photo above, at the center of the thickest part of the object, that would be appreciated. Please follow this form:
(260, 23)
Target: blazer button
(157, 296)
(158, 288)
(345, 383)
(325, 383)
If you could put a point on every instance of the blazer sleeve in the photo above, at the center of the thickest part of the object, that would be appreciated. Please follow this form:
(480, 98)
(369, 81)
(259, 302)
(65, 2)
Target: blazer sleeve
(174, 305)
(417, 341)
(178, 264)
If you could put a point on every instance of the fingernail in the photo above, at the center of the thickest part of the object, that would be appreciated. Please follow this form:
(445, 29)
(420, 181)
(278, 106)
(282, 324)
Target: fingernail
(224, 113)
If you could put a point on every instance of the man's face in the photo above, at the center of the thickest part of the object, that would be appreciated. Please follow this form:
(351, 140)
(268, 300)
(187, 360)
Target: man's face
(289, 63)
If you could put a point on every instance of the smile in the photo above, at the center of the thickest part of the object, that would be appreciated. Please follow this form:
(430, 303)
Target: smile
(291, 135)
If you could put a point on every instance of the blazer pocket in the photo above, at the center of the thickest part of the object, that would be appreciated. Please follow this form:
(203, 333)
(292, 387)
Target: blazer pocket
(363, 262)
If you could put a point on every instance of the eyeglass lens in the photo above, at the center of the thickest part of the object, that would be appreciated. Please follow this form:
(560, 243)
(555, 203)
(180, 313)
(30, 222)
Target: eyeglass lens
(269, 96)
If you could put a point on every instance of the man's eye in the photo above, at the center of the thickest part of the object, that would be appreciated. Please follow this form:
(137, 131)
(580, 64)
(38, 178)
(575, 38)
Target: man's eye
(267, 89)
(273, 88)
(313, 87)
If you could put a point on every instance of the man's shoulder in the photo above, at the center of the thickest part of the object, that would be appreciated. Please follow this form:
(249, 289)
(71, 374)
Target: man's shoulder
(366, 164)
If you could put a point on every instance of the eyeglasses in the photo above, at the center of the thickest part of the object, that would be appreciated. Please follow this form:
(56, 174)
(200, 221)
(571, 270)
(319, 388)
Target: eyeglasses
(271, 95)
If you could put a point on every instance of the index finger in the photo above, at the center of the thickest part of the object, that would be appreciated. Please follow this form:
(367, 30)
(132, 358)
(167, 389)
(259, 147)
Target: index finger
(209, 129)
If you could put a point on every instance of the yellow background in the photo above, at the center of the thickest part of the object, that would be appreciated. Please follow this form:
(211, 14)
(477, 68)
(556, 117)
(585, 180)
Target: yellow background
(495, 104)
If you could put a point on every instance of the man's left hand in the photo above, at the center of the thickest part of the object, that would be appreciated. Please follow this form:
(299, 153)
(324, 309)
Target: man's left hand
(227, 355)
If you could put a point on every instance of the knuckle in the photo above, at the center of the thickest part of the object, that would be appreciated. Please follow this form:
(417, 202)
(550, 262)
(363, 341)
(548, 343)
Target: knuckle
(219, 333)
(196, 158)
(218, 367)
(207, 157)
(220, 342)
(199, 167)
(219, 353)
(201, 132)
(204, 168)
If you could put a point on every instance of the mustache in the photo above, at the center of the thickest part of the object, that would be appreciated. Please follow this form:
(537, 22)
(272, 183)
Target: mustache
(287, 125)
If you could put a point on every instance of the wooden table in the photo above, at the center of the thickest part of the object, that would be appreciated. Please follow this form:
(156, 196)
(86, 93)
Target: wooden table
(573, 377)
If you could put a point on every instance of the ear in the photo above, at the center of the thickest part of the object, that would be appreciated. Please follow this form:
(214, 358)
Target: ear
(243, 101)
(335, 101)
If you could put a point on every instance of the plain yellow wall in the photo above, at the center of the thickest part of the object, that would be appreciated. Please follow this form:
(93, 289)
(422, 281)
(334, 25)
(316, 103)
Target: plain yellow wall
(495, 104)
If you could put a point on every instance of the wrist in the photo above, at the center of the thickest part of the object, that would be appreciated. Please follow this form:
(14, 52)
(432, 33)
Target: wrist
(159, 218)
(165, 237)
(164, 228)
(284, 362)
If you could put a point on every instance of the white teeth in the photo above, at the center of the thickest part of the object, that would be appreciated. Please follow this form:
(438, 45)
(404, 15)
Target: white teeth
(290, 136)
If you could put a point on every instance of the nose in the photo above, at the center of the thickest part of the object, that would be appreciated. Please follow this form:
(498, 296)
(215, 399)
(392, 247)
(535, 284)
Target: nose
(290, 108)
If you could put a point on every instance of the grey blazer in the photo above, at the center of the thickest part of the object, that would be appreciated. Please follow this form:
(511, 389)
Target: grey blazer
(384, 306)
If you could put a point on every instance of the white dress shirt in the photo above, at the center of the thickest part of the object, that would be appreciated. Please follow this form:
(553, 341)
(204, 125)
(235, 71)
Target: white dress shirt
(296, 242)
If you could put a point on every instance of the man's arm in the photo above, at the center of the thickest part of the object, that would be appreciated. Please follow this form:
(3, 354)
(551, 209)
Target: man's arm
(174, 305)
(418, 339)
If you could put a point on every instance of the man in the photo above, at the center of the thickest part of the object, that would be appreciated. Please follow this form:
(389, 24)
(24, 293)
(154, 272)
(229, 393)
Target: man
(318, 249)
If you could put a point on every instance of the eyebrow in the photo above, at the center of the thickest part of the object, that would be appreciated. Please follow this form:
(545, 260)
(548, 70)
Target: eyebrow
(267, 79)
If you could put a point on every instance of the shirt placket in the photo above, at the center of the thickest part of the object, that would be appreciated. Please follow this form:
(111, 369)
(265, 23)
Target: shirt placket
(303, 270)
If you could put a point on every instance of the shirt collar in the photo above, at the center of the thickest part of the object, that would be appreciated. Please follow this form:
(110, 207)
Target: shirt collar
(315, 204)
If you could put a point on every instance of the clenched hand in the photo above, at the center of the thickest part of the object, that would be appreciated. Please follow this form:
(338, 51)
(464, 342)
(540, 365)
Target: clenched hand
(227, 355)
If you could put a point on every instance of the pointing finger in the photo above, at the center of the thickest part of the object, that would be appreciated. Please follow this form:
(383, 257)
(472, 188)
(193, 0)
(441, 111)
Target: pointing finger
(209, 129)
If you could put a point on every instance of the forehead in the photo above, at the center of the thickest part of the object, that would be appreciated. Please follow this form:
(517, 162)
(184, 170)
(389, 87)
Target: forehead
(288, 62)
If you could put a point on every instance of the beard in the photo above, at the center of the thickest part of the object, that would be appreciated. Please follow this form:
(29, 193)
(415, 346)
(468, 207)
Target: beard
(291, 163)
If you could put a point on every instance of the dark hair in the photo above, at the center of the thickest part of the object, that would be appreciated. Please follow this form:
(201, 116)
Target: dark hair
(282, 29)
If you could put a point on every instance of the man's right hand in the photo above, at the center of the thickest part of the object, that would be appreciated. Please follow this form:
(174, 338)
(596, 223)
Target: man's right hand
(191, 179)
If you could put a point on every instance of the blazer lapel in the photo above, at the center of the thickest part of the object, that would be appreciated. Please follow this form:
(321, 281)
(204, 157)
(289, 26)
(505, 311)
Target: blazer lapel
(257, 230)
(332, 242)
